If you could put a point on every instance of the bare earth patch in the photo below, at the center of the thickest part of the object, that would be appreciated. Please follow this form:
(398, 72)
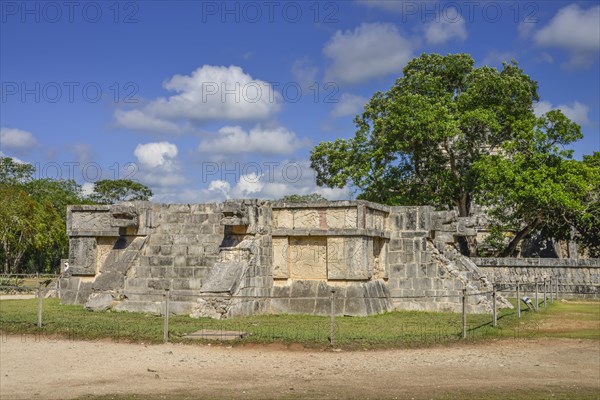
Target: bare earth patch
(63, 369)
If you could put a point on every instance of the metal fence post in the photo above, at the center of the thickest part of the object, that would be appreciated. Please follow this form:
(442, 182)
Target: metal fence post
(545, 289)
(551, 292)
(332, 328)
(557, 288)
(518, 299)
(495, 318)
(536, 294)
(464, 313)
(166, 326)
(39, 296)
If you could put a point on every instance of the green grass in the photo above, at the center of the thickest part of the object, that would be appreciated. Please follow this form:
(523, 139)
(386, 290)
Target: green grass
(390, 330)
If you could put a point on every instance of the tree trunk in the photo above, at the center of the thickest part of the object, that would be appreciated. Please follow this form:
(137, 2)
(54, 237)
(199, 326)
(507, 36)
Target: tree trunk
(512, 246)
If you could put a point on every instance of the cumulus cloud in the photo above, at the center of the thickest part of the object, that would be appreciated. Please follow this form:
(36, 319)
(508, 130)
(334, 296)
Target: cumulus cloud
(17, 140)
(143, 121)
(271, 180)
(207, 94)
(575, 30)
(289, 177)
(367, 52)
(158, 166)
(445, 29)
(258, 140)
(577, 112)
(160, 154)
(349, 104)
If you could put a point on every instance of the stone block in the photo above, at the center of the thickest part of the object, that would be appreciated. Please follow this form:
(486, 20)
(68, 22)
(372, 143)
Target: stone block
(339, 218)
(83, 292)
(82, 255)
(280, 258)
(224, 277)
(307, 257)
(99, 301)
(302, 306)
(109, 280)
(140, 307)
(304, 288)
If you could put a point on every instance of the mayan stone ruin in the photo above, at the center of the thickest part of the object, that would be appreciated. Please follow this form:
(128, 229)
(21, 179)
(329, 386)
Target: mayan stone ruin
(248, 257)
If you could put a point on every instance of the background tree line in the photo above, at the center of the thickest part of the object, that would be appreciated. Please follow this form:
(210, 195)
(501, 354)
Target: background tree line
(33, 235)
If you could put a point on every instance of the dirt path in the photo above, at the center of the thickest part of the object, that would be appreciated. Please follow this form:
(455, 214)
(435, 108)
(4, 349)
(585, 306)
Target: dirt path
(65, 369)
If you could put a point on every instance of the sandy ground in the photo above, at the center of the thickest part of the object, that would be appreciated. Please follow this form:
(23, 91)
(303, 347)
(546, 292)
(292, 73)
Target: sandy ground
(63, 369)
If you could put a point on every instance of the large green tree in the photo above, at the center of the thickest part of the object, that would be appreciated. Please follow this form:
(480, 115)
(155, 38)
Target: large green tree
(447, 131)
(33, 218)
(119, 190)
(535, 185)
(416, 143)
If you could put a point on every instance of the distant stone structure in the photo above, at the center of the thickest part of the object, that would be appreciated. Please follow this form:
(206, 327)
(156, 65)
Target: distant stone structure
(251, 256)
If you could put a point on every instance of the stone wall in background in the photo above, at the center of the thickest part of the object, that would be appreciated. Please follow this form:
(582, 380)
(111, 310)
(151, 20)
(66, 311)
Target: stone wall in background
(252, 256)
(576, 277)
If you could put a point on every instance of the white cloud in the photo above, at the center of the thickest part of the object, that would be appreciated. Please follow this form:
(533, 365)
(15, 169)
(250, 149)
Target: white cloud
(160, 154)
(209, 93)
(369, 51)
(446, 29)
(575, 30)
(271, 181)
(17, 140)
(286, 179)
(349, 104)
(577, 112)
(158, 166)
(87, 188)
(142, 121)
(259, 140)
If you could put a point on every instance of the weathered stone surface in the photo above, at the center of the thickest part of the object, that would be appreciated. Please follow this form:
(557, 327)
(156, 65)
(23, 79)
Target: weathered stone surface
(224, 277)
(109, 280)
(263, 257)
(82, 255)
(307, 257)
(99, 301)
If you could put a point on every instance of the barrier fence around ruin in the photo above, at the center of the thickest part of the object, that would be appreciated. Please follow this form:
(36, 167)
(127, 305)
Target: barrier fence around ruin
(541, 294)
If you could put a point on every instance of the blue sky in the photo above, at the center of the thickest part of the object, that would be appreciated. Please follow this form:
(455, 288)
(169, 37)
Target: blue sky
(204, 101)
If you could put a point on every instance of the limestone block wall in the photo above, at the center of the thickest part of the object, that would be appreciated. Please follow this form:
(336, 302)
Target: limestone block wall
(323, 247)
(245, 257)
(576, 277)
(422, 274)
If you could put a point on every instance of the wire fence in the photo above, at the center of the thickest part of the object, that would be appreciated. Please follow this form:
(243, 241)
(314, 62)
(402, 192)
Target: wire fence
(534, 295)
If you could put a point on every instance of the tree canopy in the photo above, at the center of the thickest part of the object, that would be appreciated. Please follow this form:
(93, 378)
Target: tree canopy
(303, 198)
(33, 234)
(448, 133)
(119, 190)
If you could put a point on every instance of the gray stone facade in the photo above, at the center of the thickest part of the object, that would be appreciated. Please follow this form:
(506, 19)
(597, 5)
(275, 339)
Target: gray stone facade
(252, 256)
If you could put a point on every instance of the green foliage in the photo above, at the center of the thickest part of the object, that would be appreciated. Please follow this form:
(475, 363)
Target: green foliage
(303, 198)
(416, 144)
(33, 218)
(447, 133)
(12, 172)
(120, 190)
(534, 185)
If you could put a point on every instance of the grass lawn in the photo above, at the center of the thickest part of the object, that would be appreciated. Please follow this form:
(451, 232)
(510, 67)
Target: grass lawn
(570, 319)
